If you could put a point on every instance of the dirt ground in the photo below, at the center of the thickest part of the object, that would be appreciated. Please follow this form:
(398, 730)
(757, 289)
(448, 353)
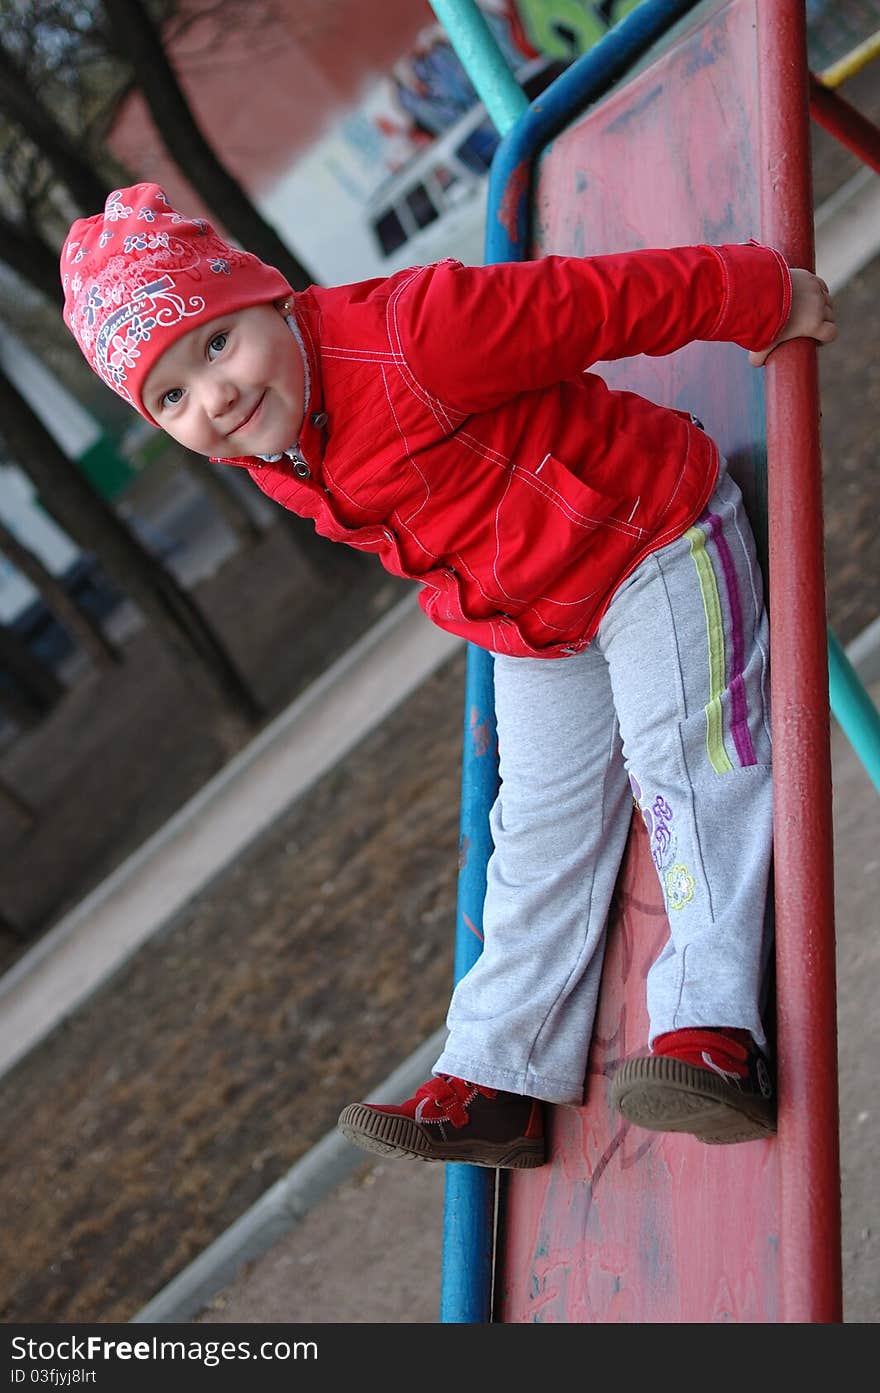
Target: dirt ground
(184, 1088)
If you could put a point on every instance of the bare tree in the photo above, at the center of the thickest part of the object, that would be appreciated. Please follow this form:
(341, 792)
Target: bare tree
(27, 85)
(67, 496)
(231, 508)
(136, 38)
(20, 104)
(81, 626)
(34, 689)
(23, 810)
(30, 256)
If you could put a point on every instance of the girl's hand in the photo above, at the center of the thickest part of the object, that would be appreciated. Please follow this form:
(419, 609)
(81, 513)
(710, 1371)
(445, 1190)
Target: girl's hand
(811, 315)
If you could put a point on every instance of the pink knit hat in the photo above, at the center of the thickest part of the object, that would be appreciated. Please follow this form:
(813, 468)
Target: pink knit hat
(139, 275)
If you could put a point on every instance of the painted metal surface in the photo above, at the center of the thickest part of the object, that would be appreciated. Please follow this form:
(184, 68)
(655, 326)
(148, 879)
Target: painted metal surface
(804, 900)
(842, 120)
(626, 1225)
(851, 704)
(854, 709)
(482, 59)
(851, 63)
(469, 1196)
(511, 182)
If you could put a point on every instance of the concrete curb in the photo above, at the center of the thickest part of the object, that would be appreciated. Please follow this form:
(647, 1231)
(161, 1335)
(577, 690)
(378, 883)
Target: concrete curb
(282, 1206)
(848, 229)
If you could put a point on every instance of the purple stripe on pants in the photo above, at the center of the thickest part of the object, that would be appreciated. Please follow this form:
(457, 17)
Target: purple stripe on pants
(739, 716)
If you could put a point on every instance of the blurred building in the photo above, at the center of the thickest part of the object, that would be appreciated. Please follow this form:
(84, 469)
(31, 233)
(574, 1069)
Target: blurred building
(354, 127)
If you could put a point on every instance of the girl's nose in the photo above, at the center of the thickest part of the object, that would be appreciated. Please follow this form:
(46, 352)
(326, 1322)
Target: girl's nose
(218, 395)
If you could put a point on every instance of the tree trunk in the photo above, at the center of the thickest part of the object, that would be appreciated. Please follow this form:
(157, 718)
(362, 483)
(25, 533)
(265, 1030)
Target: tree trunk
(68, 498)
(31, 257)
(328, 563)
(36, 688)
(20, 806)
(136, 39)
(234, 513)
(9, 926)
(81, 626)
(20, 103)
(331, 563)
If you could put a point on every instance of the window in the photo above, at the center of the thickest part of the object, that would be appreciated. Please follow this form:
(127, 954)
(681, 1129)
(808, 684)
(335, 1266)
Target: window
(421, 206)
(477, 150)
(390, 231)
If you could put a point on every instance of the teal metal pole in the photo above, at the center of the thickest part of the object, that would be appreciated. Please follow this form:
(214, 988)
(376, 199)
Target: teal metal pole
(482, 60)
(854, 710)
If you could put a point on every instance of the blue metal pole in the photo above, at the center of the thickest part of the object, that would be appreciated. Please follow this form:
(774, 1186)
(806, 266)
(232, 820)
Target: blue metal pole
(468, 1236)
(854, 710)
(510, 178)
(469, 1200)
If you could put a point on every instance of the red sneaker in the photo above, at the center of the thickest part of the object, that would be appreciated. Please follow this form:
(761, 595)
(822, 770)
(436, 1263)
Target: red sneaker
(450, 1119)
(713, 1083)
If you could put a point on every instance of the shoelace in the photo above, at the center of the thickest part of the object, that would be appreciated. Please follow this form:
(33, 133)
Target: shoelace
(451, 1094)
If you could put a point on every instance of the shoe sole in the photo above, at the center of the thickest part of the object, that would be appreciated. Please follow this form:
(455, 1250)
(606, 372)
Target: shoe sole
(389, 1134)
(667, 1095)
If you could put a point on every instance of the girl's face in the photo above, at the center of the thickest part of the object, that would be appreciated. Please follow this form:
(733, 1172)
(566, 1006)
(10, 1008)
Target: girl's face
(234, 386)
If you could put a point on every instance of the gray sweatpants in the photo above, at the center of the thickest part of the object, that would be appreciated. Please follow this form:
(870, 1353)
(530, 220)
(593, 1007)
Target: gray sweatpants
(670, 703)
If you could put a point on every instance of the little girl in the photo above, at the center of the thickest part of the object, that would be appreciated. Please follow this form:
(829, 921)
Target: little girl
(593, 541)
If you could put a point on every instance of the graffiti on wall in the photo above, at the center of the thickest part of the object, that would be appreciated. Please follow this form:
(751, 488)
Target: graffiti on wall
(401, 177)
(428, 90)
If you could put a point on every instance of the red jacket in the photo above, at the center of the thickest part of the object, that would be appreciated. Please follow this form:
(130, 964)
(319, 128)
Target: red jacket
(452, 429)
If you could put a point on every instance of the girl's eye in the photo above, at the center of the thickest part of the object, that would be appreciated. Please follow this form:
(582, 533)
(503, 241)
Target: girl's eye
(217, 345)
(172, 397)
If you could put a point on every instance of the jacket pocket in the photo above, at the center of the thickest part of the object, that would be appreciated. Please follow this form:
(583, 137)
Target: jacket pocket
(546, 521)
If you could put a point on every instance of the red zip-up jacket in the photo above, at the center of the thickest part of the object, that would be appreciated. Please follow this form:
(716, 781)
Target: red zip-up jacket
(451, 427)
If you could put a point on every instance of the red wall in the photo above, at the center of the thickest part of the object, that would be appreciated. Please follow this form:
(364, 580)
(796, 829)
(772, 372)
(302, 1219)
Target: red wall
(263, 90)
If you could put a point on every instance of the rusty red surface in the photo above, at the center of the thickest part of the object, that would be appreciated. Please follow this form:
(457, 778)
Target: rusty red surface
(517, 189)
(846, 123)
(626, 1225)
(805, 957)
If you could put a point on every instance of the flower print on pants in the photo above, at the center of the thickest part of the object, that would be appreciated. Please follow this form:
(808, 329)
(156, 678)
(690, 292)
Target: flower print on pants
(658, 819)
(680, 886)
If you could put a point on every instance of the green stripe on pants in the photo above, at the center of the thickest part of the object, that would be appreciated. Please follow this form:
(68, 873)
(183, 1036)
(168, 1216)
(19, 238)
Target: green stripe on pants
(715, 637)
